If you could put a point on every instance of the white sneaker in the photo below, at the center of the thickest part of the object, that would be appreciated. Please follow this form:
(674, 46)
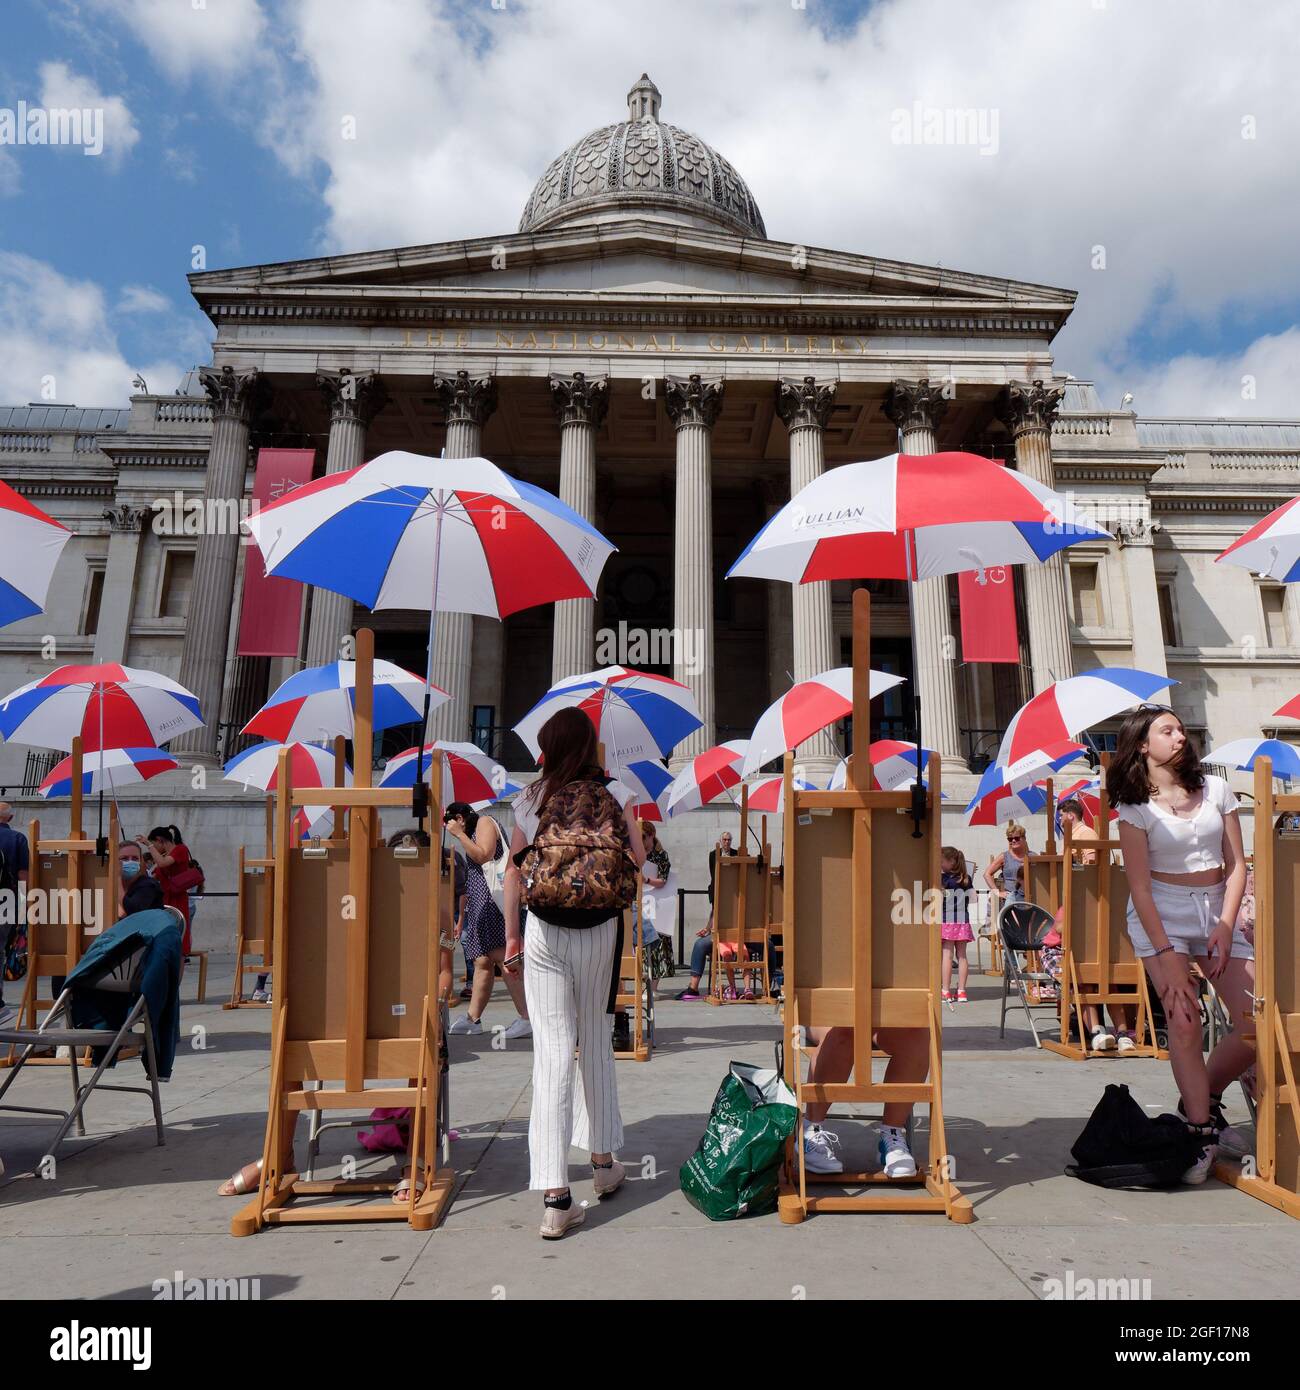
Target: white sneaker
(818, 1155)
(520, 1028)
(1102, 1041)
(463, 1023)
(1232, 1143)
(1202, 1168)
(556, 1223)
(895, 1157)
(1126, 1044)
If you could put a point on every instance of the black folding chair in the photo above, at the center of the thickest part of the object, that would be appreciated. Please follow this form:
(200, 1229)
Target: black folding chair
(118, 977)
(1021, 927)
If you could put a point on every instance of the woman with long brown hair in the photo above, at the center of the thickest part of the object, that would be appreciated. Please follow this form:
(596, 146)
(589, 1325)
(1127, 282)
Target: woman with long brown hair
(1181, 838)
(574, 834)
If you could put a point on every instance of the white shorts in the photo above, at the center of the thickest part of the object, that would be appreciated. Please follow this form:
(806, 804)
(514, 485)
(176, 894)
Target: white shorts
(1188, 915)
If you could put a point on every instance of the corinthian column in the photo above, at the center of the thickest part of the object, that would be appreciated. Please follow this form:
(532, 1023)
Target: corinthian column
(916, 407)
(693, 406)
(354, 399)
(806, 407)
(233, 393)
(1027, 409)
(467, 402)
(580, 406)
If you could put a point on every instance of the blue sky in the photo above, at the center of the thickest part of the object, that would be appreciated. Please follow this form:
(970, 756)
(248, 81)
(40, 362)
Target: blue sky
(1117, 126)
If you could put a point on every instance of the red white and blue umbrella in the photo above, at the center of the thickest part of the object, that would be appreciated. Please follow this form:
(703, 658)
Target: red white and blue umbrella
(767, 794)
(309, 766)
(468, 773)
(122, 765)
(652, 783)
(1068, 707)
(636, 714)
(1271, 547)
(320, 702)
(707, 776)
(913, 516)
(30, 546)
(1003, 805)
(1027, 770)
(1087, 792)
(107, 706)
(806, 709)
(1243, 753)
(892, 761)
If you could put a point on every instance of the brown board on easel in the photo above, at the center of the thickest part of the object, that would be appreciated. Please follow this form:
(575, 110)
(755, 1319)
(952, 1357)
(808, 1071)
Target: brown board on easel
(632, 971)
(740, 913)
(356, 960)
(862, 950)
(1275, 1177)
(1098, 966)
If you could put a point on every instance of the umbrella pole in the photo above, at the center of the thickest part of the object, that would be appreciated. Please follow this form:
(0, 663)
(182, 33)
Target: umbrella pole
(918, 787)
(419, 794)
(101, 840)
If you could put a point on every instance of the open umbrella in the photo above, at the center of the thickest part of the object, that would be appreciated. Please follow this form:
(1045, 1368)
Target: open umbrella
(468, 773)
(893, 763)
(1004, 804)
(806, 709)
(767, 794)
(124, 765)
(1087, 792)
(707, 776)
(1242, 754)
(320, 703)
(637, 714)
(30, 546)
(652, 783)
(1027, 769)
(309, 766)
(1271, 547)
(447, 535)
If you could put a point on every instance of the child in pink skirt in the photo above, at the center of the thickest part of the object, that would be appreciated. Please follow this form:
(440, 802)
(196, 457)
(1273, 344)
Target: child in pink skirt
(956, 930)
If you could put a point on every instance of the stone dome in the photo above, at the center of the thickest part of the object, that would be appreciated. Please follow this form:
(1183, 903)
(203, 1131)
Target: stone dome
(646, 166)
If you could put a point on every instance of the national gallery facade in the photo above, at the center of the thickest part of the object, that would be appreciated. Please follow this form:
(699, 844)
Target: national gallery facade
(641, 347)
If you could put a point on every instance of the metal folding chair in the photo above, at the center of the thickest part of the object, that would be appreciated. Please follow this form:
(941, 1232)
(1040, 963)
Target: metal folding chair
(1021, 928)
(121, 977)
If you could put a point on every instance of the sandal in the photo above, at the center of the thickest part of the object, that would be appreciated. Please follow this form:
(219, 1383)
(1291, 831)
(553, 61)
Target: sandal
(402, 1192)
(240, 1183)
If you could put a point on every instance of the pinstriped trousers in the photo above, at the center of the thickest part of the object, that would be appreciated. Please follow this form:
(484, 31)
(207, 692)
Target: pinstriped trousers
(567, 972)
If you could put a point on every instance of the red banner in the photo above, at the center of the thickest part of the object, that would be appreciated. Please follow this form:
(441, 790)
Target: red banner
(988, 616)
(271, 615)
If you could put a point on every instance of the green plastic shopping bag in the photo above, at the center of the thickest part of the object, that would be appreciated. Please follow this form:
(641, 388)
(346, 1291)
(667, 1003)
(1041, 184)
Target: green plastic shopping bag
(735, 1168)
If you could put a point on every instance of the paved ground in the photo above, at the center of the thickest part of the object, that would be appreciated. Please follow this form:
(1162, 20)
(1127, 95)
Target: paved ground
(120, 1213)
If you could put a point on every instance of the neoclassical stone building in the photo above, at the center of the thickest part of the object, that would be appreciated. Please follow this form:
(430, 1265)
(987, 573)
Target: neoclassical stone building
(642, 347)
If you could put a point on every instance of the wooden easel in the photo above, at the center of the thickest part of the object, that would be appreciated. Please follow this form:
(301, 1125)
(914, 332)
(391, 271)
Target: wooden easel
(254, 914)
(740, 915)
(773, 901)
(356, 990)
(1276, 1175)
(60, 871)
(632, 969)
(1096, 954)
(848, 963)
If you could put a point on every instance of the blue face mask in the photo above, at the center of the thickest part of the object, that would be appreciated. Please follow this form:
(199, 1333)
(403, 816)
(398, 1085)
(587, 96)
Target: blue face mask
(131, 867)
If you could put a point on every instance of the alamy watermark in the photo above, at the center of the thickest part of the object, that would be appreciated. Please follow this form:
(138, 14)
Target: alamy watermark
(1076, 1288)
(681, 648)
(179, 1288)
(918, 124)
(53, 125)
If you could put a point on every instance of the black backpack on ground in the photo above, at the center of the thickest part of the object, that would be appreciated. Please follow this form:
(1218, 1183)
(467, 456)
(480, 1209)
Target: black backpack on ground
(1123, 1146)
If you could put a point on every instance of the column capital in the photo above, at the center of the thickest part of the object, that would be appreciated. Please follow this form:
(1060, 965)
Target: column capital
(915, 405)
(232, 390)
(690, 400)
(125, 517)
(352, 395)
(579, 399)
(1027, 406)
(465, 399)
(802, 404)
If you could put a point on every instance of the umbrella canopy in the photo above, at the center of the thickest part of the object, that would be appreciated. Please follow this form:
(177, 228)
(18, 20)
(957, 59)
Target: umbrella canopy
(1027, 770)
(1003, 805)
(893, 763)
(652, 783)
(387, 533)
(30, 546)
(767, 794)
(707, 776)
(468, 773)
(1243, 753)
(122, 765)
(309, 766)
(108, 706)
(1067, 707)
(913, 516)
(1290, 710)
(1087, 792)
(320, 702)
(804, 710)
(1271, 547)
(636, 714)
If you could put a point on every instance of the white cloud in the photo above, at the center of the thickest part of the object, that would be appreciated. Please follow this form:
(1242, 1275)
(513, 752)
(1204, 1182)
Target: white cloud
(61, 88)
(142, 299)
(1258, 381)
(57, 340)
(217, 39)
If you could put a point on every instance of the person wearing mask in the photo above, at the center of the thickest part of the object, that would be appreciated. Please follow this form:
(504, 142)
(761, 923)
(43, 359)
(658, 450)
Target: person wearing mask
(130, 871)
(14, 860)
(571, 956)
(1180, 834)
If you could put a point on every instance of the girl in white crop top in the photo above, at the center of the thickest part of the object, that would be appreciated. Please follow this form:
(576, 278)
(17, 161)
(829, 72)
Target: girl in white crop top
(1181, 839)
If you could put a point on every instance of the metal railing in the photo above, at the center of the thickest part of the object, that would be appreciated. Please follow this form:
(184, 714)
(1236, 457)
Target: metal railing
(36, 769)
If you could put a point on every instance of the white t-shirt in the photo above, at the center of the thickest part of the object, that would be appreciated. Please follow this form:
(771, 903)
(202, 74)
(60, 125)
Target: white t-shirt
(1184, 844)
(527, 818)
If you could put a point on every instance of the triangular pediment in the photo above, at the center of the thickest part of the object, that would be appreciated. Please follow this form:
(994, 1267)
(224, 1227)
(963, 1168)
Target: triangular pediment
(630, 258)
